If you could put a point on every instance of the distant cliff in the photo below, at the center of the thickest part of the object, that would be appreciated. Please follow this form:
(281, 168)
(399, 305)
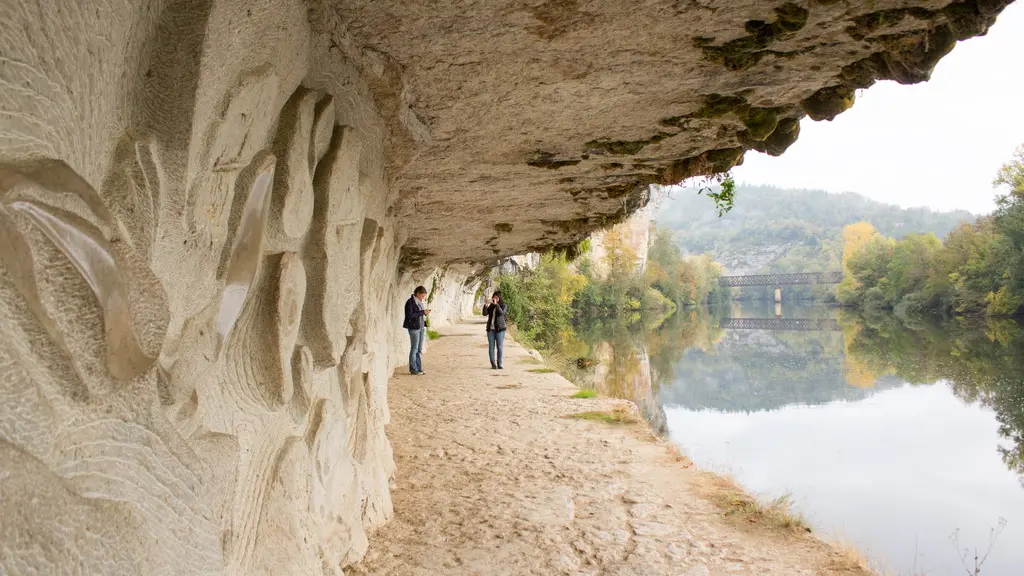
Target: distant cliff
(634, 235)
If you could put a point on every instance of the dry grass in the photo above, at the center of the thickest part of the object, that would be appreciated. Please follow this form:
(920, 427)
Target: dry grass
(777, 514)
(733, 500)
(677, 455)
(617, 416)
(849, 561)
(541, 370)
(528, 360)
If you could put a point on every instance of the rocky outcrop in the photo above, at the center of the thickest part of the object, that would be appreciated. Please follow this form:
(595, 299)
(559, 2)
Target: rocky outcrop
(632, 237)
(452, 294)
(211, 212)
(547, 119)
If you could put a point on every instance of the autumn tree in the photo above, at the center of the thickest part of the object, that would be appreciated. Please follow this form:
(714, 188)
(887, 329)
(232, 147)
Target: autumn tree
(855, 237)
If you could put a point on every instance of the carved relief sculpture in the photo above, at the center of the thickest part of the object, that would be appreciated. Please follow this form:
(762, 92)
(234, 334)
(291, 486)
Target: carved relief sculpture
(177, 295)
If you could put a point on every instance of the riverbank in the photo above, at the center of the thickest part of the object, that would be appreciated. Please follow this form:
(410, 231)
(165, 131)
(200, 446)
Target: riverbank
(494, 478)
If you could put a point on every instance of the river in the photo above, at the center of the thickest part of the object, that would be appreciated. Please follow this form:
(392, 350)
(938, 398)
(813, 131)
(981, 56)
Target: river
(902, 439)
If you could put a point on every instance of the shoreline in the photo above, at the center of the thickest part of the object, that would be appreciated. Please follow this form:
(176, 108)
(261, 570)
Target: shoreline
(495, 475)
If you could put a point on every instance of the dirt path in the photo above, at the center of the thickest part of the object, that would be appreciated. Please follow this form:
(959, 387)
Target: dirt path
(492, 479)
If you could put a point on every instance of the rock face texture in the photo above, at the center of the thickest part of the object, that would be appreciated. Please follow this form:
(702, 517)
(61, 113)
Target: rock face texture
(633, 236)
(211, 212)
(548, 118)
(198, 292)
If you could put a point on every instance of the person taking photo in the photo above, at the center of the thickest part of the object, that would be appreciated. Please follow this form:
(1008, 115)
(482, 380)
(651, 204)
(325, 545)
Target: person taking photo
(416, 313)
(496, 310)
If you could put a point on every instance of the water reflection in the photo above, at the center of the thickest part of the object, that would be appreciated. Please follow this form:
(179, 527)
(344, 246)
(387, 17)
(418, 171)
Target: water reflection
(612, 358)
(892, 433)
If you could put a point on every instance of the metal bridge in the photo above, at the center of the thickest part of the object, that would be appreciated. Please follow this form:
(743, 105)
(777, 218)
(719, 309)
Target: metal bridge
(823, 324)
(781, 279)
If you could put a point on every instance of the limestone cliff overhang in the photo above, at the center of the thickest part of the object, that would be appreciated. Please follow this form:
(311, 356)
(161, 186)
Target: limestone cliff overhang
(520, 126)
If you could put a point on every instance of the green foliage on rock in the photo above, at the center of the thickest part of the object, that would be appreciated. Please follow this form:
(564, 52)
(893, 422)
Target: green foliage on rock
(683, 281)
(540, 301)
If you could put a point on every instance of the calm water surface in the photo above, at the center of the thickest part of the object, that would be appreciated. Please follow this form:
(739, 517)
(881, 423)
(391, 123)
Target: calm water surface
(906, 441)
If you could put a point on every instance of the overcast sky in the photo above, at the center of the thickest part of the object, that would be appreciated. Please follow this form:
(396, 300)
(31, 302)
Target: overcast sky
(936, 144)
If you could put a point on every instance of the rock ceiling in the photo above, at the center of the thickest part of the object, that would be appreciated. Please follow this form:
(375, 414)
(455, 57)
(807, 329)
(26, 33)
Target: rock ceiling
(524, 125)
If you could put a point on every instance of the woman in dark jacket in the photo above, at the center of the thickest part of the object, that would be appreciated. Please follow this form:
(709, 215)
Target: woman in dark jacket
(496, 326)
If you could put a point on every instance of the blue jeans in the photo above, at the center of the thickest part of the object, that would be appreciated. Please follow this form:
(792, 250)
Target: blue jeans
(416, 349)
(495, 340)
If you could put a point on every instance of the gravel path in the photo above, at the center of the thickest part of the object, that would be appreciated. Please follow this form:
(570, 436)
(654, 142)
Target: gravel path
(493, 479)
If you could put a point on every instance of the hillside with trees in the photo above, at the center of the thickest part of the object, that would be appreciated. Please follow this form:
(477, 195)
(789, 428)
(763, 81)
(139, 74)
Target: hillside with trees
(781, 230)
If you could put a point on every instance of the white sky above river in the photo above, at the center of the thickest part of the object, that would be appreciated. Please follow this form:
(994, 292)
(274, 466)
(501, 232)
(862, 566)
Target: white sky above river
(936, 144)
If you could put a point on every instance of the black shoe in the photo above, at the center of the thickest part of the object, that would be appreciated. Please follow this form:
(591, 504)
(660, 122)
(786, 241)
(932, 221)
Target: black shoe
(421, 373)
(500, 367)
(493, 367)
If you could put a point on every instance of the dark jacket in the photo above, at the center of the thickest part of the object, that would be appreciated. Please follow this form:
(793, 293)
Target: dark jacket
(496, 316)
(413, 315)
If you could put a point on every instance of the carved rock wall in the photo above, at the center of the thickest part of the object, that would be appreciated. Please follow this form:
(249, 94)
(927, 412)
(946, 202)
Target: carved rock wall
(198, 278)
(452, 296)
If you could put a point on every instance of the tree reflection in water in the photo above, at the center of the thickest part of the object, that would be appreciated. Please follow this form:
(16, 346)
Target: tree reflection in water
(982, 359)
(687, 360)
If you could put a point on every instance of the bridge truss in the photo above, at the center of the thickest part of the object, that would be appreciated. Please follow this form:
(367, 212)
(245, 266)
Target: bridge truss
(781, 279)
(822, 324)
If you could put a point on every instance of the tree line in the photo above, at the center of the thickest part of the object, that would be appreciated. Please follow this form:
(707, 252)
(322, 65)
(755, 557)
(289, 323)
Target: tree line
(977, 270)
(545, 302)
(774, 230)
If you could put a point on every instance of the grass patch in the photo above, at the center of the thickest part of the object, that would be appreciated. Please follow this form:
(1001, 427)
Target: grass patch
(433, 334)
(734, 501)
(541, 370)
(616, 416)
(584, 394)
(529, 360)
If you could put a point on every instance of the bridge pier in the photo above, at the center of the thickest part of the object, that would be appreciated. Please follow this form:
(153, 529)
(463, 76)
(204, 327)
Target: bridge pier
(778, 294)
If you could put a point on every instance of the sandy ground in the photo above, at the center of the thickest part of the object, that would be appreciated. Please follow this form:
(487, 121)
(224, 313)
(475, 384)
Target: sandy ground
(493, 479)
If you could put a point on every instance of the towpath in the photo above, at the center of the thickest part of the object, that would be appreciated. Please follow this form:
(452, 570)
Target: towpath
(492, 478)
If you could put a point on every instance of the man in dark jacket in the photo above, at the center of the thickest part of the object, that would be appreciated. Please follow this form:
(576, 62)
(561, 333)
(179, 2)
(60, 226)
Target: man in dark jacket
(496, 311)
(415, 323)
